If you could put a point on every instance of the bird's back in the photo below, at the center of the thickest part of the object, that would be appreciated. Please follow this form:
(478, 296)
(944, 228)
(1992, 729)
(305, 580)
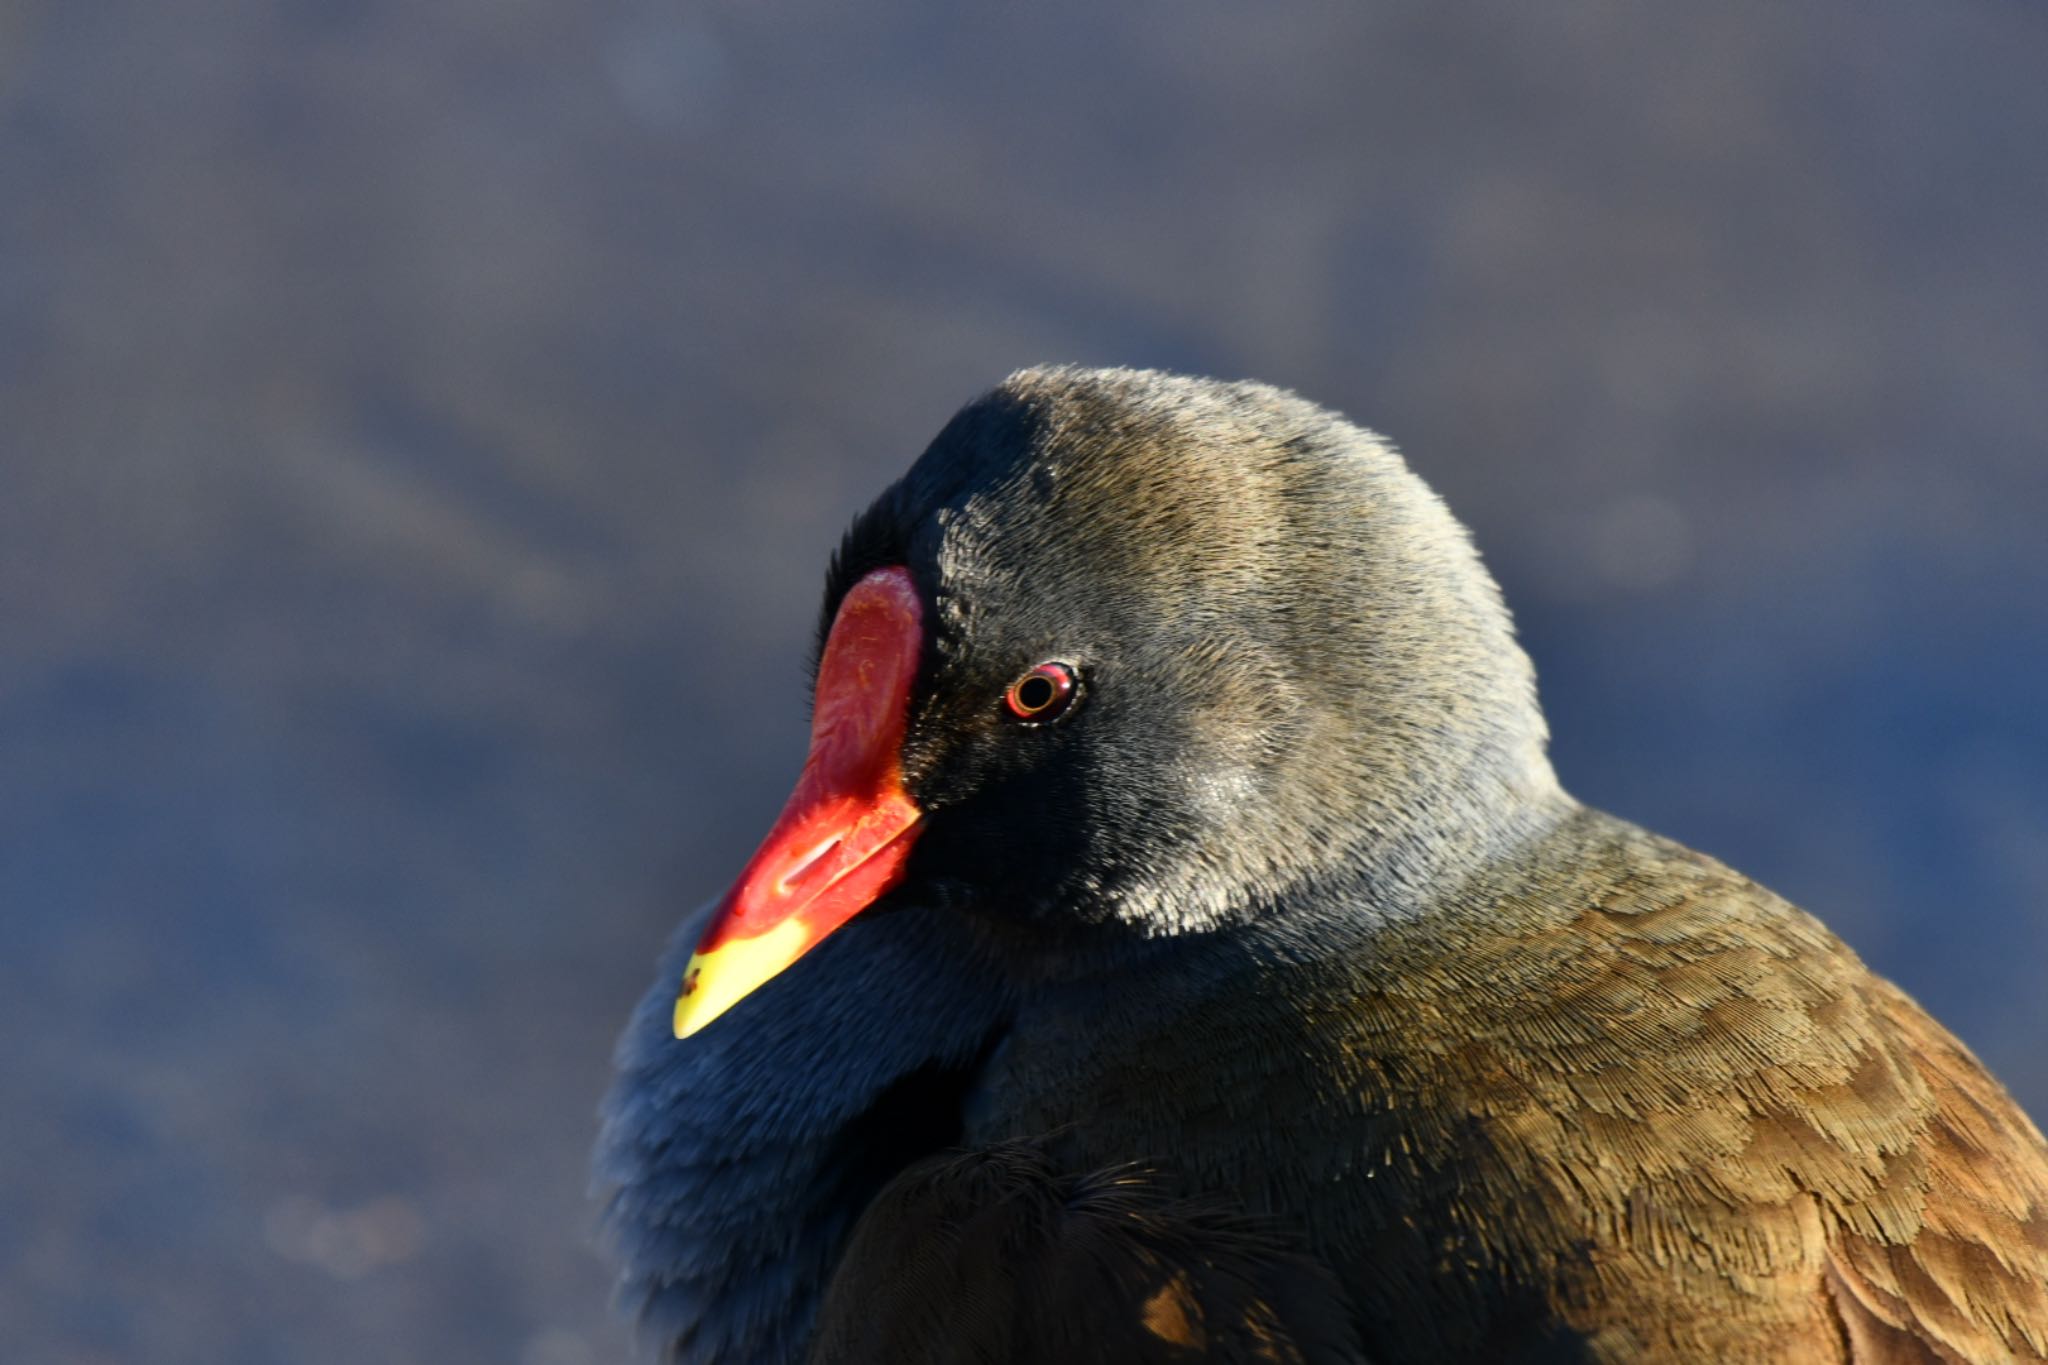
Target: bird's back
(1613, 1101)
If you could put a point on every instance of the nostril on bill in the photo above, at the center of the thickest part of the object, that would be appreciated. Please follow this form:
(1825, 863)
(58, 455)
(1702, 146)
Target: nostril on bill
(804, 865)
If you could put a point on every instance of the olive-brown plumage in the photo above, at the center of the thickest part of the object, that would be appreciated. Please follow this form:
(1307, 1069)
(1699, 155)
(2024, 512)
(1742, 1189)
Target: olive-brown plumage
(1623, 1098)
(1288, 912)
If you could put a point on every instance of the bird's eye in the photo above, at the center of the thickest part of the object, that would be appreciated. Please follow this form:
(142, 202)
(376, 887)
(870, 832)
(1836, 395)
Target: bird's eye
(1042, 695)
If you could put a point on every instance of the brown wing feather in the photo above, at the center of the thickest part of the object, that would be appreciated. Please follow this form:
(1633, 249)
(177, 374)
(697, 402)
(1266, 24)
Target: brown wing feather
(1969, 1274)
(1802, 1148)
(1687, 1118)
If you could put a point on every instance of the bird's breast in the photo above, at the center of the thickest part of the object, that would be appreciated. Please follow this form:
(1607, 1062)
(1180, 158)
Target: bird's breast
(1214, 1077)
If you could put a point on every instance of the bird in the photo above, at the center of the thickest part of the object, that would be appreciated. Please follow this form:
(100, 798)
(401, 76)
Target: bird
(1178, 910)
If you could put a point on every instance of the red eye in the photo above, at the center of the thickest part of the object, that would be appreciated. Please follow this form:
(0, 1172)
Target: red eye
(1043, 694)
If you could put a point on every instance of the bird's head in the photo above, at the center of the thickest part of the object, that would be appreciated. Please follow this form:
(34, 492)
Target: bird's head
(1138, 655)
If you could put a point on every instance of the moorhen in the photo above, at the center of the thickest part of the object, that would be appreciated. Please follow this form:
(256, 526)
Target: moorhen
(1178, 947)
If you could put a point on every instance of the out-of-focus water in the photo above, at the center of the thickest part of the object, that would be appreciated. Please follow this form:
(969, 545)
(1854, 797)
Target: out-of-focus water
(422, 428)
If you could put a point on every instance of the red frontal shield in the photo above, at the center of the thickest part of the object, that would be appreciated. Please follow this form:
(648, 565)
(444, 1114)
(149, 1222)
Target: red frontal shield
(842, 839)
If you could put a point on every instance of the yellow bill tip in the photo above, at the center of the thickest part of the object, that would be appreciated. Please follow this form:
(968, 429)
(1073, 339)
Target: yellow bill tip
(715, 981)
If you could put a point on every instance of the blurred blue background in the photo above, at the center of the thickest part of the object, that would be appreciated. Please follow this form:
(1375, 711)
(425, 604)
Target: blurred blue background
(423, 429)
